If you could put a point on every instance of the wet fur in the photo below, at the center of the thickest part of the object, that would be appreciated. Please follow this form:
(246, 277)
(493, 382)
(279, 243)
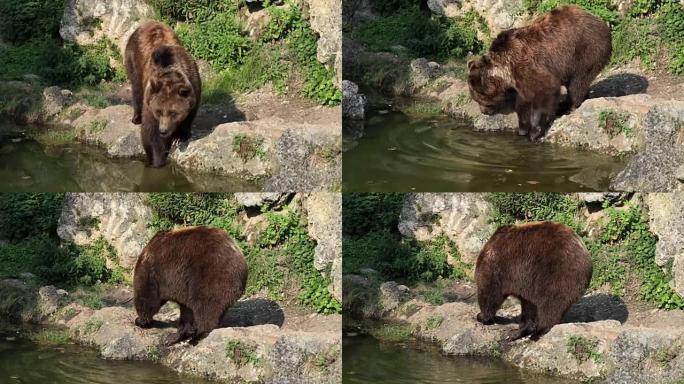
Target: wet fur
(566, 47)
(200, 268)
(543, 264)
(164, 78)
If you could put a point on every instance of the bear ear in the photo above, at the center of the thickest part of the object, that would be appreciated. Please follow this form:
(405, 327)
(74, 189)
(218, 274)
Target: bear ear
(486, 60)
(184, 91)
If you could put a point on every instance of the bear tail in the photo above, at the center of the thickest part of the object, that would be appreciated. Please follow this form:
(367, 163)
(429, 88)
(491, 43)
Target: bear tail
(163, 56)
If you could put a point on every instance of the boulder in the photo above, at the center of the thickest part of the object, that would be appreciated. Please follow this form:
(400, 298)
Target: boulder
(18, 301)
(666, 221)
(87, 21)
(353, 103)
(499, 14)
(325, 19)
(256, 199)
(122, 219)
(55, 99)
(462, 217)
(324, 215)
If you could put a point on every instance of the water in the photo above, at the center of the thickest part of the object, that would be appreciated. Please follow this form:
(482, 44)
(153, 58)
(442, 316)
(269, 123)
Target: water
(368, 361)
(27, 166)
(23, 362)
(401, 153)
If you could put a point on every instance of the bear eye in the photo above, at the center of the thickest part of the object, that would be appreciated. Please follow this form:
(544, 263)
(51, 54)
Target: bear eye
(160, 112)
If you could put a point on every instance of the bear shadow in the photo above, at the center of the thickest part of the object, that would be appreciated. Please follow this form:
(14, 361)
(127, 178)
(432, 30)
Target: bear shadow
(597, 307)
(253, 312)
(621, 84)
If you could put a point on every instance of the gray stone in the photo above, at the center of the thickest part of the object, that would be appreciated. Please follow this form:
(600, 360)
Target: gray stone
(666, 221)
(17, 301)
(256, 199)
(391, 296)
(422, 71)
(49, 300)
(353, 103)
(87, 21)
(122, 219)
(462, 217)
(307, 160)
(55, 99)
(324, 216)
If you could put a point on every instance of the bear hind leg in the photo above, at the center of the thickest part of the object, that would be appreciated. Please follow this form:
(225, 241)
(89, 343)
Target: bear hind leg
(186, 327)
(578, 88)
(548, 315)
(207, 318)
(528, 321)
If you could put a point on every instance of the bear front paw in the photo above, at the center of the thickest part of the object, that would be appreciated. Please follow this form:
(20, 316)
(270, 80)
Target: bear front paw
(142, 324)
(136, 119)
(486, 321)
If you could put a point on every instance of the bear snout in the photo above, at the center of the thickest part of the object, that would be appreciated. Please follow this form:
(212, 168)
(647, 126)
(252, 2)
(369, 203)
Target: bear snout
(481, 318)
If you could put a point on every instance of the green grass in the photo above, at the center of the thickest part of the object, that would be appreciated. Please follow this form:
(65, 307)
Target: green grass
(242, 353)
(583, 349)
(615, 123)
(392, 332)
(50, 336)
(92, 326)
(56, 136)
(248, 147)
(97, 126)
(96, 100)
(433, 322)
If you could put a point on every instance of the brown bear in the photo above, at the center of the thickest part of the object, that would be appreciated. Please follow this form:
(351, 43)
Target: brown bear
(166, 88)
(199, 268)
(543, 264)
(528, 66)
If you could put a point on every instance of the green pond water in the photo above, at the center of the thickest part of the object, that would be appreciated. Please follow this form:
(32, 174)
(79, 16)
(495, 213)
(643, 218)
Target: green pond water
(402, 153)
(23, 362)
(28, 166)
(367, 361)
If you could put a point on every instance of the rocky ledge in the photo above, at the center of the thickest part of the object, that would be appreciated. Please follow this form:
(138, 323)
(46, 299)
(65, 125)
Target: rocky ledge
(598, 340)
(258, 342)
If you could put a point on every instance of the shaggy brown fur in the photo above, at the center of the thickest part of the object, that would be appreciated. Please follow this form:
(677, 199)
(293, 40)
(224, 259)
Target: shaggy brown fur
(544, 264)
(566, 47)
(200, 268)
(166, 88)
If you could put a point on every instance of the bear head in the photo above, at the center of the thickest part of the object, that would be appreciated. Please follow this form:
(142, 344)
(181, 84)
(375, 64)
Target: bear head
(171, 96)
(490, 86)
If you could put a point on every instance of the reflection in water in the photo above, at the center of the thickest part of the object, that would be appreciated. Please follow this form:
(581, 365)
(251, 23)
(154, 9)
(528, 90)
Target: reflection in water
(368, 361)
(26, 363)
(399, 153)
(31, 167)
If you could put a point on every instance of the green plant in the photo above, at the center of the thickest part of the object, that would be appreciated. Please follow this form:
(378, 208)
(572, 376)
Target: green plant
(433, 322)
(29, 214)
(90, 300)
(92, 326)
(363, 213)
(511, 207)
(56, 136)
(392, 332)
(635, 38)
(96, 100)
(615, 123)
(583, 348)
(24, 20)
(153, 353)
(248, 147)
(418, 108)
(434, 297)
(241, 352)
(97, 126)
(50, 336)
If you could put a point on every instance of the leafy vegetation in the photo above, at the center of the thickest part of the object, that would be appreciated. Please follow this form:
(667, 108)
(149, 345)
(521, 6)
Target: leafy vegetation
(50, 336)
(241, 353)
(248, 147)
(583, 348)
(286, 45)
(392, 332)
(615, 123)
(281, 257)
(422, 34)
(29, 221)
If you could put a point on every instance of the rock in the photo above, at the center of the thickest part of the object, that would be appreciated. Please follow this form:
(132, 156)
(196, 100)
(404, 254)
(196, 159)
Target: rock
(598, 197)
(422, 71)
(324, 16)
(110, 128)
(21, 102)
(87, 21)
(55, 99)
(654, 167)
(308, 159)
(679, 173)
(255, 199)
(49, 299)
(122, 219)
(499, 14)
(324, 214)
(392, 295)
(666, 221)
(112, 332)
(353, 103)
(462, 217)
(261, 353)
(18, 302)
(243, 149)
